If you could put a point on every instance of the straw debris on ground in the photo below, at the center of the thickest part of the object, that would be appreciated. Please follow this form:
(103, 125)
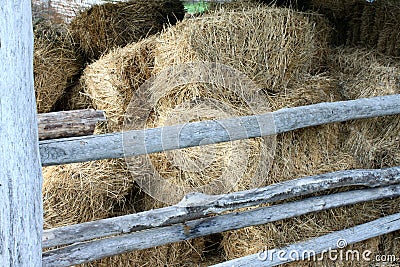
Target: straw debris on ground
(56, 63)
(103, 27)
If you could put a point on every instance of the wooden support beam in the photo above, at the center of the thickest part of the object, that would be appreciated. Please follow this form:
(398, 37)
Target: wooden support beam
(68, 123)
(139, 142)
(310, 249)
(197, 206)
(96, 249)
(21, 210)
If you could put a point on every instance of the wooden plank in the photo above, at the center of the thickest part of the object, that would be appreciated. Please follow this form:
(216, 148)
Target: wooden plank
(139, 142)
(96, 249)
(68, 123)
(309, 249)
(197, 206)
(21, 208)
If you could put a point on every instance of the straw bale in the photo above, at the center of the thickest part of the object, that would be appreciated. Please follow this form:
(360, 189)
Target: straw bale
(388, 14)
(103, 27)
(74, 98)
(300, 153)
(270, 45)
(186, 253)
(375, 142)
(380, 27)
(56, 63)
(82, 192)
(111, 81)
(209, 169)
(344, 15)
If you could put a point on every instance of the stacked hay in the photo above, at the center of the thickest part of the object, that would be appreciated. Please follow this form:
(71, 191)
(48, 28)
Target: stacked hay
(174, 255)
(300, 153)
(260, 42)
(362, 23)
(211, 169)
(56, 63)
(344, 15)
(82, 192)
(74, 98)
(375, 142)
(380, 27)
(111, 81)
(103, 27)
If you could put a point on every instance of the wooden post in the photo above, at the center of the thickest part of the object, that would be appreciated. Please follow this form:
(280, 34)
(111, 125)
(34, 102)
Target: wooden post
(21, 211)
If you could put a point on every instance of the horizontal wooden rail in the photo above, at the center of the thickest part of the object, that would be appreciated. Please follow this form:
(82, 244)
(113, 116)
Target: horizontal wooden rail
(197, 206)
(96, 249)
(68, 123)
(139, 142)
(318, 245)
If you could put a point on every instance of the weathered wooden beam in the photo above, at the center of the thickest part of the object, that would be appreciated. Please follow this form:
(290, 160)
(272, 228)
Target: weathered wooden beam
(139, 142)
(197, 206)
(68, 123)
(310, 249)
(21, 210)
(96, 249)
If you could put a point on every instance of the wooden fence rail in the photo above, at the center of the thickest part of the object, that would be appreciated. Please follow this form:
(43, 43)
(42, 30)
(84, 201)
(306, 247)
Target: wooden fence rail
(198, 214)
(139, 142)
(196, 206)
(96, 249)
(321, 244)
(68, 123)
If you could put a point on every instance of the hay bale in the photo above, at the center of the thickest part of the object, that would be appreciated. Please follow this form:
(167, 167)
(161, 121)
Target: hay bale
(187, 253)
(380, 25)
(74, 98)
(82, 192)
(56, 63)
(344, 15)
(111, 81)
(374, 142)
(300, 153)
(209, 169)
(388, 27)
(272, 46)
(103, 27)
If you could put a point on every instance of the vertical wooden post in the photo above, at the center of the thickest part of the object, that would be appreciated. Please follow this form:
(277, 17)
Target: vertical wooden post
(21, 209)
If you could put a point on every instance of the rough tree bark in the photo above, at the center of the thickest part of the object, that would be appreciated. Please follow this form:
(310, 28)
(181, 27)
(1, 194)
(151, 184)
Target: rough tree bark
(20, 167)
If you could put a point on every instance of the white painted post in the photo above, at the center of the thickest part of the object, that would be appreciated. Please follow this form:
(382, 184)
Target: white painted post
(21, 211)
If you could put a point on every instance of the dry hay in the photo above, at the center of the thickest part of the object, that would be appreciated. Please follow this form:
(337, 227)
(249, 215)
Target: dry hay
(381, 25)
(111, 81)
(233, 5)
(185, 253)
(56, 63)
(103, 27)
(344, 15)
(272, 46)
(180, 95)
(82, 192)
(375, 142)
(74, 98)
(300, 153)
